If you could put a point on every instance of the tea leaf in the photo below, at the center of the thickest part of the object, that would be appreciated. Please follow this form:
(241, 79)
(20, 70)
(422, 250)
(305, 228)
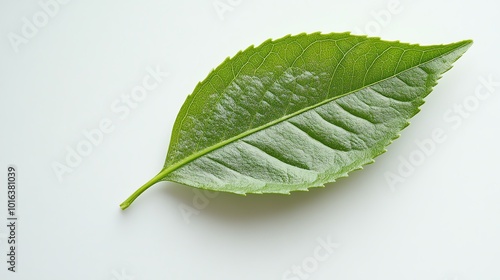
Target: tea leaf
(299, 112)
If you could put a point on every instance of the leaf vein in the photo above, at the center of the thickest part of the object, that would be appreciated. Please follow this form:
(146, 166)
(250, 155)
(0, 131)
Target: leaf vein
(303, 167)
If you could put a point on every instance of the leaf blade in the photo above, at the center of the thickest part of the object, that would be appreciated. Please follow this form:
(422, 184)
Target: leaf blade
(237, 189)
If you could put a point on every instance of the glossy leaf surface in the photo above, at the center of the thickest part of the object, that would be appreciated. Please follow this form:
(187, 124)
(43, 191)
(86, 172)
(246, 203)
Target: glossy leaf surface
(299, 112)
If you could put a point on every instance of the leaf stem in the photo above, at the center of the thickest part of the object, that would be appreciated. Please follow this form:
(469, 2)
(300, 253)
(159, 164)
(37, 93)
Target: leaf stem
(139, 191)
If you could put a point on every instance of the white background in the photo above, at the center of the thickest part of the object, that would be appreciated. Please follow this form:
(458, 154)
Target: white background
(441, 222)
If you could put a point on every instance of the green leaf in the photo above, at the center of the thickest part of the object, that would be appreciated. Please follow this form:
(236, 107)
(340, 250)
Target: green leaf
(299, 112)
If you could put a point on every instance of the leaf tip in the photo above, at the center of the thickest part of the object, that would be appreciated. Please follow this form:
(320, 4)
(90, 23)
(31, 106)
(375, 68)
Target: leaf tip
(465, 44)
(468, 41)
